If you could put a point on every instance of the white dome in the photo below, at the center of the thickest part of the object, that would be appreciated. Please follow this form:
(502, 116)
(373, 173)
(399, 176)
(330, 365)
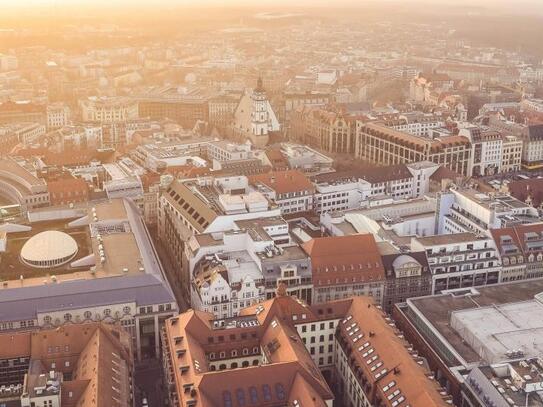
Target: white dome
(49, 249)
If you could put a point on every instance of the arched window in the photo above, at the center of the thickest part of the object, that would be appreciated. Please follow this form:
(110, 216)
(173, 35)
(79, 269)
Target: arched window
(67, 317)
(253, 395)
(47, 319)
(234, 365)
(227, 399)
(280, 391)
(87, 315)
(245, 364)
(107, 312)
(222, 367)
(266, 392)
(240, 395)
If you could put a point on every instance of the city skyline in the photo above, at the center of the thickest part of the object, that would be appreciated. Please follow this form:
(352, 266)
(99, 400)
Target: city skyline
(271, 204)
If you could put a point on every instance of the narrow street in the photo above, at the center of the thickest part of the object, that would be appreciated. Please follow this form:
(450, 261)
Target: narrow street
(149, 383)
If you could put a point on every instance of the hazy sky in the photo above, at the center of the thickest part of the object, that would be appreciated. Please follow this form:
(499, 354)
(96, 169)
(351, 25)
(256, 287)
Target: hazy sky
(26, 3)
(518, 7)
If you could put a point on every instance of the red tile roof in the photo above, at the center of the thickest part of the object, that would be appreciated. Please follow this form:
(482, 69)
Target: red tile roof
(67, 184)
(522, 189)
(339, 260)
(283, 182)
(391, 371)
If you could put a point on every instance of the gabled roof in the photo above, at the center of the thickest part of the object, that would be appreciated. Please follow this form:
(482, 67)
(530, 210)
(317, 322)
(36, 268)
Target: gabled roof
(344, 259)
(289, 374)
(390, 361)
(519, 239)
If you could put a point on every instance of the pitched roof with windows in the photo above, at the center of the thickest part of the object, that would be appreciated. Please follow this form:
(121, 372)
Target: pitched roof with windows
(384, 361)
(519, 239)
(196, 345)
(96, 357)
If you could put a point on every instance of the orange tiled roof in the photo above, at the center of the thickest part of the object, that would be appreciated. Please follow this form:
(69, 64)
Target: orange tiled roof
(344, 259)
(283, 182)
(392, 370)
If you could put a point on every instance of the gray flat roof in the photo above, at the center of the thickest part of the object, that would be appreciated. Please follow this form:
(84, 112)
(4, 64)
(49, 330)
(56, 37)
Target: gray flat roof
(24, 303)
(493, 331)
(437, 309)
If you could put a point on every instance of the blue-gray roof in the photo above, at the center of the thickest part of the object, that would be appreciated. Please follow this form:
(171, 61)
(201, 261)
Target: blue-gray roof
(25, 302)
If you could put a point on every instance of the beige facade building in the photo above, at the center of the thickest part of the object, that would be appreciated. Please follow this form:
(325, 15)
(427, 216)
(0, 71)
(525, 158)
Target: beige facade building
(381, 145)
(323, 129)
(511, 154)
(108, 110)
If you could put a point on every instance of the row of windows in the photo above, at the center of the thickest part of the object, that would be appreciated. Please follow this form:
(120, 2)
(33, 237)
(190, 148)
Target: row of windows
(234, 353)
(106, 313)
(232, 337)
(322, 326)
(254, 395)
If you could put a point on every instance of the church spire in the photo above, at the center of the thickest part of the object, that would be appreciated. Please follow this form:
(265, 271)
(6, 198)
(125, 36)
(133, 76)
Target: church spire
(259, 86)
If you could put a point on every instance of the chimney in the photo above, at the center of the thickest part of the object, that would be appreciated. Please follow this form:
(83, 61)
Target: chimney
(281, 290)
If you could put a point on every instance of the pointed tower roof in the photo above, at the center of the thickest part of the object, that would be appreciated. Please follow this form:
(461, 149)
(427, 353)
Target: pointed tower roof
(259, 85)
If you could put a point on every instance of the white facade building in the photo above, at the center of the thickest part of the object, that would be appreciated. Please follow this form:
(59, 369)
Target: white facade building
(352, 190)
(235, 269)
(460, 260)
(58, 115)
(418, 123)
(467, 210)
(487, 150)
